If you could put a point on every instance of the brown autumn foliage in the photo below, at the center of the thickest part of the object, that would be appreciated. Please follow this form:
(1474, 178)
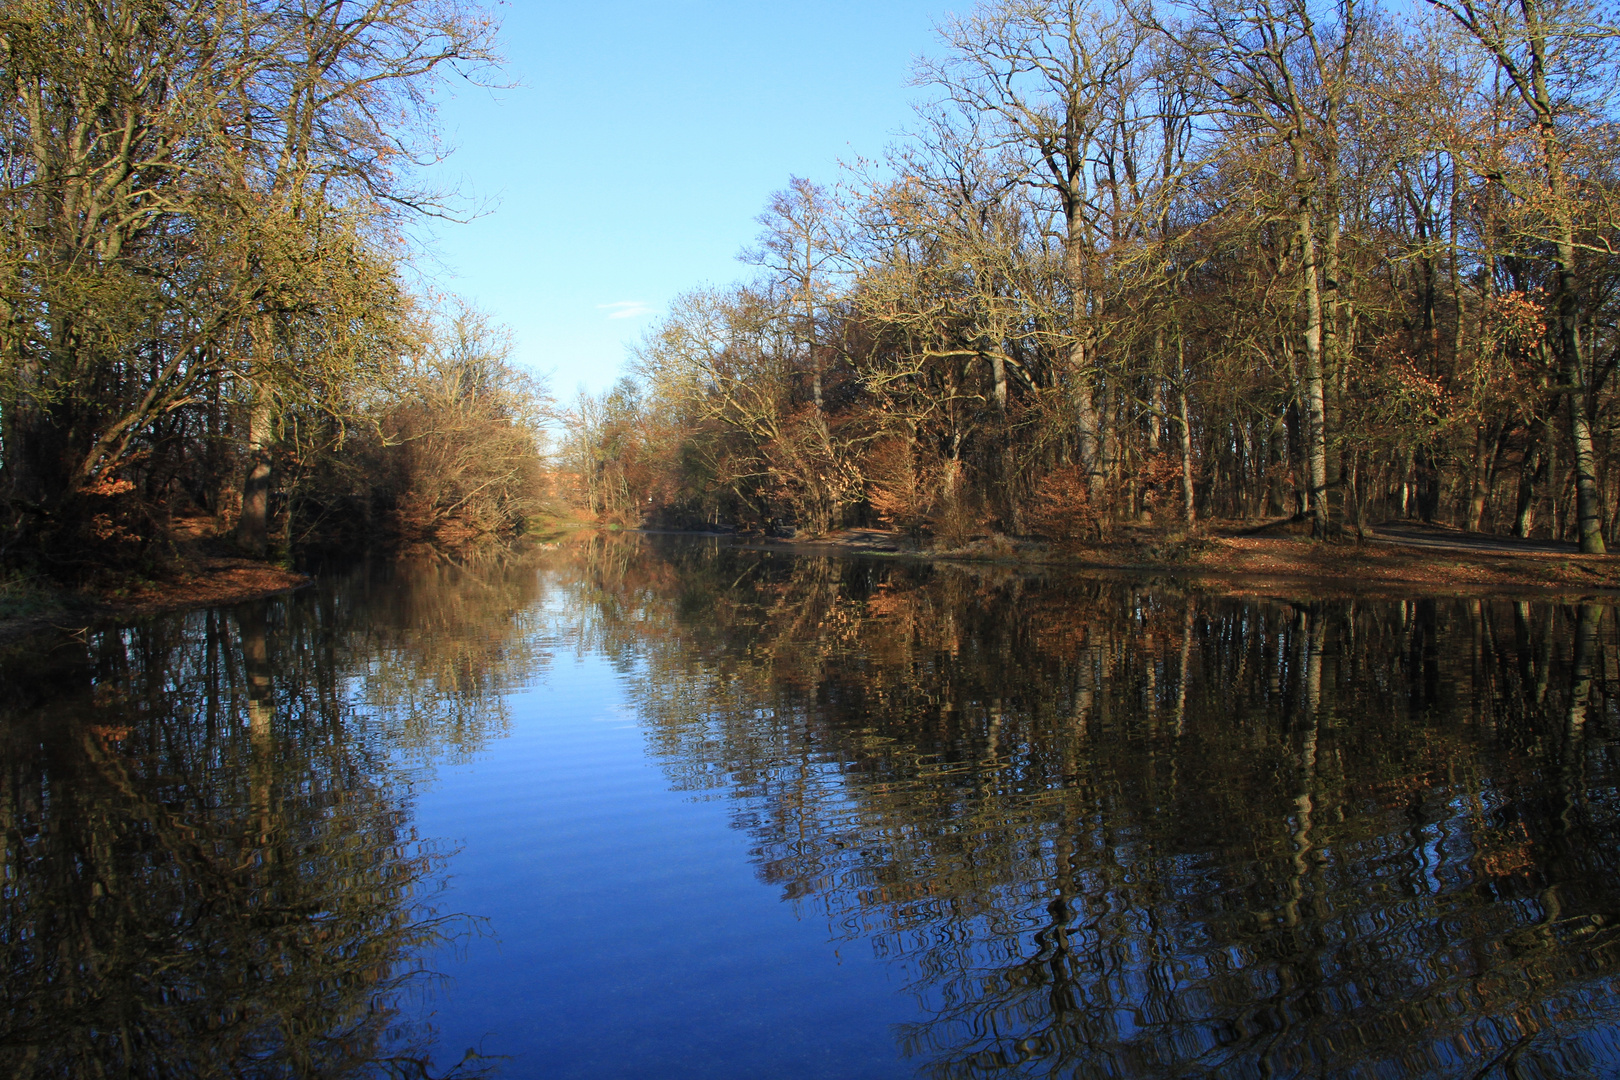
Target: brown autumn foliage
(1062, 509)
(448, 459)
(901, 490)
(1389, 295)
(813, 465)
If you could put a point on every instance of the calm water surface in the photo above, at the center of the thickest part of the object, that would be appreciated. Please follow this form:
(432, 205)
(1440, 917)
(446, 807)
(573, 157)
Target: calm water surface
(664, 808)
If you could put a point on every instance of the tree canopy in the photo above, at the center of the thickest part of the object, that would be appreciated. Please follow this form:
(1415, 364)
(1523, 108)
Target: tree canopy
(1224, 258)
(203, 271)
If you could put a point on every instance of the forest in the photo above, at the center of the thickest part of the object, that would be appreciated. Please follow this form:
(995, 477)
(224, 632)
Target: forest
(1211, 260)
(1224, 260)
(208, 304)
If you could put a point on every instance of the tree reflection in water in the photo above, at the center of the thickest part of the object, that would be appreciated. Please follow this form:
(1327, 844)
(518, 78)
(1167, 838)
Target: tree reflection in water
(1099, 828)
(209, 862)
(1108, 829)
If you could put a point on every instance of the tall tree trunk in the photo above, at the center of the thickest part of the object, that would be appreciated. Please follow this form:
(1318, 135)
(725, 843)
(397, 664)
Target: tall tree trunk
(252, 528)
(1186, 462)
(1087, 425)
(1315, 400)
(1355, 492)
(1012, 508)
(1296, 458)
(1588, 500)
(1532, 471)
(1336, 306)
(1426, 485)
(1158, 413)
(1486, 446)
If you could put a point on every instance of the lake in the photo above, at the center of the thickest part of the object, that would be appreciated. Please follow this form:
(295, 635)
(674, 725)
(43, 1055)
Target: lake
(666, 807)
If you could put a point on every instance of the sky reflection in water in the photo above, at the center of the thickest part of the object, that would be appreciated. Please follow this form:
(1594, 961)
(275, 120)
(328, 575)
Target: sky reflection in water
(710, 812)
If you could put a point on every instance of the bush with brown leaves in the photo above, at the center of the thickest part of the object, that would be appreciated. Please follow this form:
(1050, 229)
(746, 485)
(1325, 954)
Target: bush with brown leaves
(1062, 510)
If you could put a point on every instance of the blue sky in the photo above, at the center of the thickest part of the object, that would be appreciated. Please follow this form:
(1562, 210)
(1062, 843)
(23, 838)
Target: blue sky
(629, 163)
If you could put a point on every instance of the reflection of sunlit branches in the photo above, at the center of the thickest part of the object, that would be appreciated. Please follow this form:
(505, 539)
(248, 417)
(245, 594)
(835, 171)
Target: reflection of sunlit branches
(1110, 830)
(210, 861)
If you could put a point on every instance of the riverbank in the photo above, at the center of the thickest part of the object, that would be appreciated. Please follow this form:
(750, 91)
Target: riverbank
(1245, 559)
(204, 570)
(204, 580)
(1228, 558)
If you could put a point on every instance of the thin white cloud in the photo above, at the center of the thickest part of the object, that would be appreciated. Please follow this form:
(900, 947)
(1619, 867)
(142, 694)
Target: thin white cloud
(625, 309)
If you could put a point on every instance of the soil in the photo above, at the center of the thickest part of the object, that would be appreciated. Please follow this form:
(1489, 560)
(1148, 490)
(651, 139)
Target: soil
(1397, 558)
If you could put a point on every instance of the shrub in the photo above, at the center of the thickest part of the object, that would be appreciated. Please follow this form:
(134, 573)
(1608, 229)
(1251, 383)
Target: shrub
(1062, 510)
(900, 489)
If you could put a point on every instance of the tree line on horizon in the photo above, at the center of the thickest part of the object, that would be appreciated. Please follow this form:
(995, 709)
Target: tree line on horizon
(1230, 259)
(207, 304)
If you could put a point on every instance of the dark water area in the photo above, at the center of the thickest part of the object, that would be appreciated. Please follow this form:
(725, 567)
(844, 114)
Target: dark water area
(663, 807)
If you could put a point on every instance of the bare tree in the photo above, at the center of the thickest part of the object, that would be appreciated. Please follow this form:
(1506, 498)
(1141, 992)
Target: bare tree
(196, 198)
(1045, 73)
(1559, 59)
